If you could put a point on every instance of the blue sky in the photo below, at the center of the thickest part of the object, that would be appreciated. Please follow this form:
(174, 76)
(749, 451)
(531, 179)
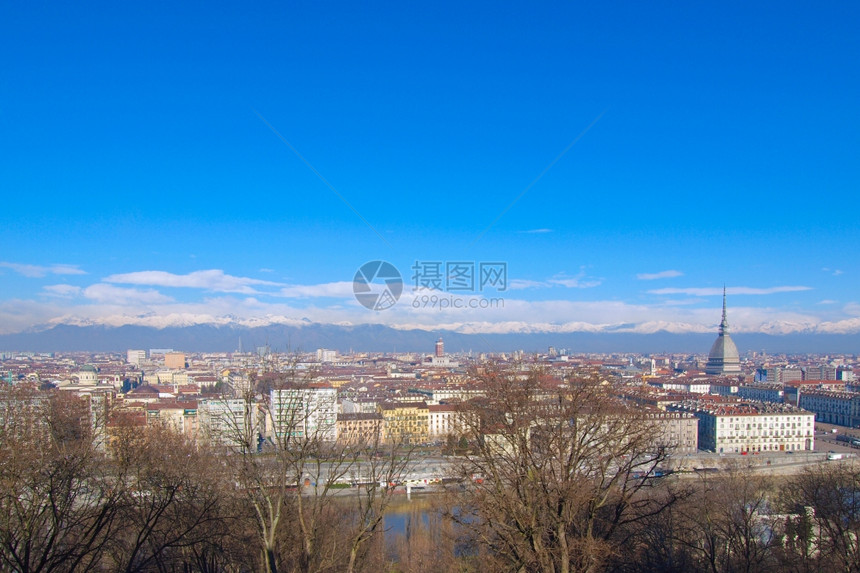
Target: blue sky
(625, 161)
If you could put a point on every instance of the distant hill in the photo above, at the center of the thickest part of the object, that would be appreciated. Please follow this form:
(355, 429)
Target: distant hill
(281, 338)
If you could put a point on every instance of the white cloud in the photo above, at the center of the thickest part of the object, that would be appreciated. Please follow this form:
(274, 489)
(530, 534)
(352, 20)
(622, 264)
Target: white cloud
(18, 315)
(846, 326)
(114, 305)
(536, 231)
(520, 284)
(561, 279)
(578, 281)
(714, 291)
(661, 275)
(37, 271)
(852, 309)
(214, 280)
(109, 294)
(575, 282)
(681, 302)
(338, 289)
(63, 290)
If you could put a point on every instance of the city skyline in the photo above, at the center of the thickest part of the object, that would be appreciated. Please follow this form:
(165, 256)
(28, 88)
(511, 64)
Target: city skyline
(166, 166)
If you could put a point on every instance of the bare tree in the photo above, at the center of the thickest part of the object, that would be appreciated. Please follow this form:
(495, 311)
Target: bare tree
(57, 506)
(376, 466)
(232, 426)
(296, 471)
(559, 467)
(171, 497)
(728, 524)
(826, 499)
(429, 544)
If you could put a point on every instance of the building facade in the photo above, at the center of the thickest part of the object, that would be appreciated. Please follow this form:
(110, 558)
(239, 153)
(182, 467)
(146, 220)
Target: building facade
(405, 423)
(832, 406)
(360, 428)
(762, 392)
(678, 431)
(229, 422)
(304, 412)
(752, 427)
(443, 421)
(174, 360)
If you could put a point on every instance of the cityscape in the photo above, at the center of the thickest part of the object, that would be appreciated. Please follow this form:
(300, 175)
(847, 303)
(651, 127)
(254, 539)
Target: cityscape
(398, 288)
(387, 429)
(365, 395)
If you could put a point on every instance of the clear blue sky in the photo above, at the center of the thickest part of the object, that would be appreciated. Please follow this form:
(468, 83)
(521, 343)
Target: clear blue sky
(713, 145)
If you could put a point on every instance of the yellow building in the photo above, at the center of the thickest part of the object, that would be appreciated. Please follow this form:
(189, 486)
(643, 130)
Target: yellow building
(406, 423)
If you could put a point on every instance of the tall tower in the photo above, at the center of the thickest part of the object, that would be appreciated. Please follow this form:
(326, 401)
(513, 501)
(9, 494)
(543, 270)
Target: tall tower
(723, 358)
(440, 348)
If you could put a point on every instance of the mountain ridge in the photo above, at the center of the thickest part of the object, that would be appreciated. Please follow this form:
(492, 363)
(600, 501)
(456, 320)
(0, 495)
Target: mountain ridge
(308, 336)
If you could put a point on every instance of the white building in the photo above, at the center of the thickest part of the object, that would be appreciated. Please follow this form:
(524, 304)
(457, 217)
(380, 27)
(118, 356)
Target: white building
(724, 388)
(762, 392)
(752, 426)
(691, 386)
(229, 422)
(85, 380)
(136, 357)
(324, 355)
(304, 412)
(832, 406)
(446, 393)
(363, 405)
(443, 421)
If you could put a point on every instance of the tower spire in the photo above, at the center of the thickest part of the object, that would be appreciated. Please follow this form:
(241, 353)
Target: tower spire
(723, 359)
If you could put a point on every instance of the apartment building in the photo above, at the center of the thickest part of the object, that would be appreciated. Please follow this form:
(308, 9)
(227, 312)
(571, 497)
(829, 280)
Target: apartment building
(229, 422)
(443, 420)
(304, 411)
(762, 392)
(678, 431)
(406, 423)
(360, 428)
(752, 426)
(832, 406)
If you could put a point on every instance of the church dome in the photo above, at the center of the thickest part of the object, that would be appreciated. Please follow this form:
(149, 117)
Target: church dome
(724, 349)
(723, 357)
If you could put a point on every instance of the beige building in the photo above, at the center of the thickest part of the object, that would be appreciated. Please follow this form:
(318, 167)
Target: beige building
(678, 431)
(174, 360)
(360, 428)
(180, 416)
